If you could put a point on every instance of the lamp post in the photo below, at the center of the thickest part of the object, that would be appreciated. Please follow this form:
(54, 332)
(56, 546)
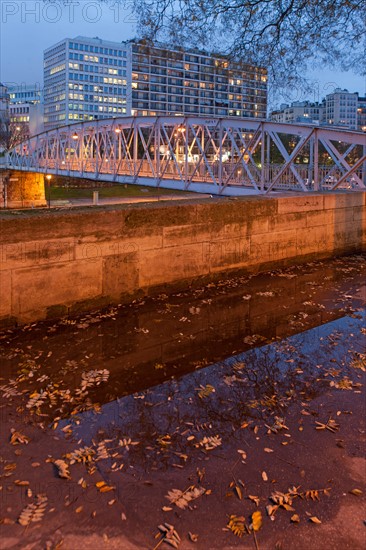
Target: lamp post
(48, 178)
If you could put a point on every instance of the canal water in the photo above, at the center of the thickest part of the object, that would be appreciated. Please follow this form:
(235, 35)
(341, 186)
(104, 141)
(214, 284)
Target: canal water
(232, 386)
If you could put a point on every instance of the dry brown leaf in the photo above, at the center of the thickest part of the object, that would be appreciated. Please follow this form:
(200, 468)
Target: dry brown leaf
(192, 537)
(183, 498)
(62, 469)
(256, 520)
(264, 476)
(238, 492)
(205, 391)
(356, 492)
(314, 519)
(6, 521)
(21, 483)
(210, 443)
(295, 518)
(268, 450)
(33, 512)
(254, 499)
(106, 489)
(237, 525)
(167, 534)
(18, 438)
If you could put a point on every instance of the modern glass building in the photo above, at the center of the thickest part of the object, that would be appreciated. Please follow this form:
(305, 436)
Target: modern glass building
(84, 79)
(90, 78)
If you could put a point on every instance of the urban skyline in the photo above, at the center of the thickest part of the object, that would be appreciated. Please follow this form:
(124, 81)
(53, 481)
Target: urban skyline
(49, 26)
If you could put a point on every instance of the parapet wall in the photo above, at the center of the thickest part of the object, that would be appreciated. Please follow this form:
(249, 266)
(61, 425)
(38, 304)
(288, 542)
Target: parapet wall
(58, 262)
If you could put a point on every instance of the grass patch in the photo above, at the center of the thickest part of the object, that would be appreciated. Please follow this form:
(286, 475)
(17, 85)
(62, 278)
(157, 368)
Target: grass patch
(64, 193)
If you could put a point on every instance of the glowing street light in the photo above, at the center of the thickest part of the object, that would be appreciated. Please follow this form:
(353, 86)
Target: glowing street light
(75, 136)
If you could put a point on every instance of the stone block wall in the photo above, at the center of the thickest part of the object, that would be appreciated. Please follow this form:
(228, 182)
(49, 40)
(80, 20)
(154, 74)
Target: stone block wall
(59, 262)
(21, 189)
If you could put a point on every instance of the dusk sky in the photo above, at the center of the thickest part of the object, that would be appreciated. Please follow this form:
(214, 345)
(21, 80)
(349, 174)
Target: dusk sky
(27, 28)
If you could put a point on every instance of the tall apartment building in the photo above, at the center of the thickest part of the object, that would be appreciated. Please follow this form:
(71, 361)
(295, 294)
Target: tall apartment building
(25, 111)
(341, 109)
(299, 112)
(90, 78)
(195, 83)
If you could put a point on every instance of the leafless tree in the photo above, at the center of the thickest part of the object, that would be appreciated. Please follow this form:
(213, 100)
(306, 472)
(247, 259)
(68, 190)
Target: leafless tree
(286, 36)
(11, 133)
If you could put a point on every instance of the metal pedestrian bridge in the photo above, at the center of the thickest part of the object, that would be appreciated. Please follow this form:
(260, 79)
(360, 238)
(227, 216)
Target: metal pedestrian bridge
(211, 155)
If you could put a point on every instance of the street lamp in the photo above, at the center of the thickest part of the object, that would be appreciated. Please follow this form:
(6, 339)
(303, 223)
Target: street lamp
(48, 178)
(75, 136)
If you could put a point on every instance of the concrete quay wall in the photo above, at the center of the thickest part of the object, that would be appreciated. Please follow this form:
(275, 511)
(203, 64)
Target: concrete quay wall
(64, 261)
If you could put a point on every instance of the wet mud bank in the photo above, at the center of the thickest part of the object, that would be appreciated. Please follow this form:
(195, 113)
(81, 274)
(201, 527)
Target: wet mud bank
(194, 410)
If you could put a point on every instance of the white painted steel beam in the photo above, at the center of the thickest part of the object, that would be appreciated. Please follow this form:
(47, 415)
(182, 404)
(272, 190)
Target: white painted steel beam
(223, 156)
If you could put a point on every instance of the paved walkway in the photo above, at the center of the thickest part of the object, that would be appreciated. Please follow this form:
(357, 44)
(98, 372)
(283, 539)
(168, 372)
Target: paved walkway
(126, 200)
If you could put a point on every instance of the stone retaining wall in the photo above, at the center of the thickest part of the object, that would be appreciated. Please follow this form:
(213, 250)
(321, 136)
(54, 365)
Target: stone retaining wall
(59, 262)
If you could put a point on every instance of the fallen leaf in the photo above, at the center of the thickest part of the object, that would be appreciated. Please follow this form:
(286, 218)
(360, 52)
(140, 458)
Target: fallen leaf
(183, 498)
(33, 512)
(314, 519)
(18, 438)
(264, 476)
(254, 499)
(192, 537)
(62, 469)
(295, 518)
(356, 492)
(237, 525)
(256, 520)
(238, 492)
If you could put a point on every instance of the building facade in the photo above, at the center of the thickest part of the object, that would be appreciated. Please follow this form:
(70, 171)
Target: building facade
(90, 78)
(299, 112)
(341, 109)
(25, 111)
(166, 81)
(361, 114)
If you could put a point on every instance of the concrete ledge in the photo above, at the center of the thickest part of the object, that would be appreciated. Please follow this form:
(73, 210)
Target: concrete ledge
(54, 262)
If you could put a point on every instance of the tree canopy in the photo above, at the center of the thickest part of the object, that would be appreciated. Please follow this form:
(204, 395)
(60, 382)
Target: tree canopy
(286, 36)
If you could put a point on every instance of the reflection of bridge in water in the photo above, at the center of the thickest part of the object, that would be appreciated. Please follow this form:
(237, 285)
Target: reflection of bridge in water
(219, 156)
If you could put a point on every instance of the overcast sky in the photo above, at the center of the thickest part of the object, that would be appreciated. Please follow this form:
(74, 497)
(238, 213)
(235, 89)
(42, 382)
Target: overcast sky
(28, 27)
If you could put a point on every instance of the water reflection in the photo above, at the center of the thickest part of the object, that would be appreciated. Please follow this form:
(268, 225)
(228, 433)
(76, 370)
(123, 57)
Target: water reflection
(170, 420)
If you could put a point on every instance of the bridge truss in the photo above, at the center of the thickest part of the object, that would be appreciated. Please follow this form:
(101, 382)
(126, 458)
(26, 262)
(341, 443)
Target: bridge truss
(217, 156)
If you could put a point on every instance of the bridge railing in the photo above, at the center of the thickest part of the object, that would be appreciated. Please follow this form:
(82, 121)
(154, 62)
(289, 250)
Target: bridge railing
(224, 156)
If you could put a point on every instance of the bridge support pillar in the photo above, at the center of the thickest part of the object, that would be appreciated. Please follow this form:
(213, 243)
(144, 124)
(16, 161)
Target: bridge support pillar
(21, 189)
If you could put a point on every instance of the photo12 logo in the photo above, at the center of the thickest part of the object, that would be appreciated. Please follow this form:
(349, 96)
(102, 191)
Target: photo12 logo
(53, 11)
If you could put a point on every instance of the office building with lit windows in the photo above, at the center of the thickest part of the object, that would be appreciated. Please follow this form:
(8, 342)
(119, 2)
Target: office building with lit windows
(90, 78)
(25, 111)
(84, 79)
